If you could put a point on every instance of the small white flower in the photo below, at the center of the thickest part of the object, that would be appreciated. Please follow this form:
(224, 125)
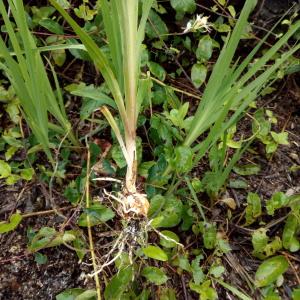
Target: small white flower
(200, 23)
(188, 27)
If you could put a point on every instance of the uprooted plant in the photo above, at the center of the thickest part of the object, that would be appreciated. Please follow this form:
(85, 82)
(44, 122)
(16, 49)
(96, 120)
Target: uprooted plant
(125, 33)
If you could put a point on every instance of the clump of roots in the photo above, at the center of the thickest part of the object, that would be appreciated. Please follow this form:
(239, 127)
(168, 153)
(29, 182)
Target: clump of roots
(133, 235)
(133, 208)
(131, 204)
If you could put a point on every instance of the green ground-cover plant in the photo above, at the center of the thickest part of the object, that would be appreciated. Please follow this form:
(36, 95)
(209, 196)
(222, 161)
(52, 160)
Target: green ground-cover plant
(24, 67)
(232, 86)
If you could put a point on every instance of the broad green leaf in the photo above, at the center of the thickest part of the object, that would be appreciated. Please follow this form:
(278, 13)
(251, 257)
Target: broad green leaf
(143, 168)
(144, 295)
(271, 147)
(13, 110)
(171, 239)
(261, 125)
(97, 213)
(296, 294)
(156, 27)
(238, 184)
(71, 192)
(77, 294)
(209, 235)
(222, 2)
(49, 237)
(155, 275)
(14, 221)
(280, 138)
(84, 12)
(259, 240)
(12, 140)
(270, 270)
(217, 271)
(159, 95)
(177, 116)
(223, 245)
(118, 284)
(263, 249)
(182, 262)
(80, 246)
(294, 202)
(271, 248)
(27, 173)
(69, 294)
(155, 253)
(187, 123)
(59, 57)
(205, 290)
(234, 144)
(157, 70)
(12, 179)
(52, 26)
(10, 152)
(5, 169)
(64, 4)
(79, 243)
(87, 295)
(270, 294)
(198, 74)
(289, 235)
(93, 98)
(161, 130)
(183, 6)
(91, 92)
(118, 157)
(170, 215)
(198, 274)
(222, 27)
(231, 9)
(78, 53)
(182, 111)
(249, 169)
(205, 48)
(41, 13)
(166, 294)
(156, 204)
(40, 258)
(253, 209)
(197, 185)
(277, 201)
(183, 159)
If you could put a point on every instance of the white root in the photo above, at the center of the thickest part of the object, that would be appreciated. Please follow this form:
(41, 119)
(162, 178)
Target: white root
(136, 203)
(107, 179)
(108, 263)
(128, 234)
